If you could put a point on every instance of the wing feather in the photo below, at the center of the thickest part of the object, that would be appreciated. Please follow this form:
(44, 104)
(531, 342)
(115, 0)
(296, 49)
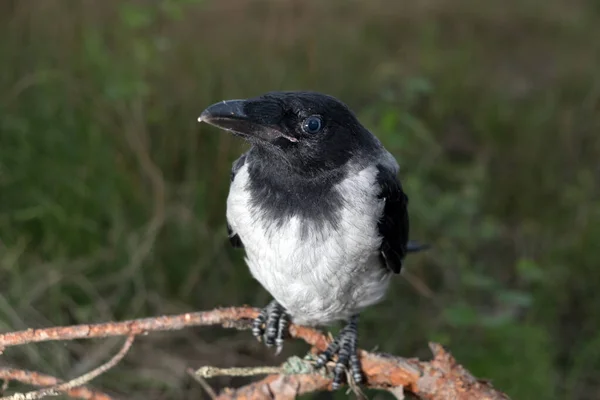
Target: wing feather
(393, 225)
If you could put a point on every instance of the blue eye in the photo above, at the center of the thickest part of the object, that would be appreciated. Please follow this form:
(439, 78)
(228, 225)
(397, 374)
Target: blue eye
(312, 124)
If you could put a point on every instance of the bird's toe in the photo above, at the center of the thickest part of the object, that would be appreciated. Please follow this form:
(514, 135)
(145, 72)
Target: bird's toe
(345, 348)
(347, 361)
(272, 325)
(258, 325)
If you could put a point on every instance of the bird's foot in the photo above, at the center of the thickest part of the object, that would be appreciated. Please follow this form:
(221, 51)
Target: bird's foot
(344, 346)
(272, 325)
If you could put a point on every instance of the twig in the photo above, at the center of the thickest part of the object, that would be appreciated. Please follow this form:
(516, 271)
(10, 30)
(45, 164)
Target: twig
(38, 379)
(440, 378)
(397, 392)
(360, 395)
(280, 387)
(207, 388)
(211, 372)
(227, 317)
(79, 381)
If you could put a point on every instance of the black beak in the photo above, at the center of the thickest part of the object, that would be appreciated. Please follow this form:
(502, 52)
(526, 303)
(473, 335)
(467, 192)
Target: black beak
(231, 115)
(227, 110)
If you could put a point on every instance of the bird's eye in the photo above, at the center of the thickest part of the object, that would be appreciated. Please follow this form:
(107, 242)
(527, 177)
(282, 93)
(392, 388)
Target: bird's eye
(312, 124)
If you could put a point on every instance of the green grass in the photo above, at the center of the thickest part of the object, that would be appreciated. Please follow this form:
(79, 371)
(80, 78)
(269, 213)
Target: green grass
(112, 195)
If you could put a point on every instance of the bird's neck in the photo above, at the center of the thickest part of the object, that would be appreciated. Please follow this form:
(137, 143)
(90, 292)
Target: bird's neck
(272, 164)
(281, 191)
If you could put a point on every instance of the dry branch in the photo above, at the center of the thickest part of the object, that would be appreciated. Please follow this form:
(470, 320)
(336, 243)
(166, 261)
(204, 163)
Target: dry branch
(439, 379)
(228, 317)
(65, 387)
(37, 379)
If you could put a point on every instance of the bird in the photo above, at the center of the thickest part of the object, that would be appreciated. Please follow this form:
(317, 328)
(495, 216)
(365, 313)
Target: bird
(318, 208)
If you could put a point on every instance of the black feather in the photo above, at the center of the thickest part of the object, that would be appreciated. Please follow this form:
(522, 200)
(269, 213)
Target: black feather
(234, 239)
(237, 164)
(281, 193)
(414, 247)
(393, 224)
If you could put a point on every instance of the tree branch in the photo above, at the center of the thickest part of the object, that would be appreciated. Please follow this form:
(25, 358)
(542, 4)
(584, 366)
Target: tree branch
(439, 379)
(37, 379)
(228, 317)
(79, 381)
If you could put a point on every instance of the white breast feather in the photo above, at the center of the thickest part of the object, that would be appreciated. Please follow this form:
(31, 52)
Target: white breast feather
(330, 273)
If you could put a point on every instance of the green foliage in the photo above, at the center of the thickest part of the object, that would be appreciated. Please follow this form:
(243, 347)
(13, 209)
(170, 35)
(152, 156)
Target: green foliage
(112, 196)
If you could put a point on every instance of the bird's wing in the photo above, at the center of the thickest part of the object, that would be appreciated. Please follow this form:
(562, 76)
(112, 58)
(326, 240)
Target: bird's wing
(393, 224)
(234, 239)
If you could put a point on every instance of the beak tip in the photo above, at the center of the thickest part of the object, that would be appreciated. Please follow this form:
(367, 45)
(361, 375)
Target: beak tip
(203, 116)
(227, 109)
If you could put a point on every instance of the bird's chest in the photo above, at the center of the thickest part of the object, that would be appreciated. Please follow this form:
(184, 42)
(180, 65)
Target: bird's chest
(320, 269)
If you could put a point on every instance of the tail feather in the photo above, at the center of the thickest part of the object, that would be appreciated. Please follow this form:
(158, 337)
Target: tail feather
(413, 246)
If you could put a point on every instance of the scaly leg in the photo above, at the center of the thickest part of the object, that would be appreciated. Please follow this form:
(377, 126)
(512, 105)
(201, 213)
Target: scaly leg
(344, 346)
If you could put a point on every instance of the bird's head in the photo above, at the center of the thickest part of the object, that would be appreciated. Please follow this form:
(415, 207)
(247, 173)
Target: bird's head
(307, 129)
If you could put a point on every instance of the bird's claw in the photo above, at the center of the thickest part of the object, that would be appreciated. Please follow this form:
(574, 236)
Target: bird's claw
(344, 346)
(272, 325)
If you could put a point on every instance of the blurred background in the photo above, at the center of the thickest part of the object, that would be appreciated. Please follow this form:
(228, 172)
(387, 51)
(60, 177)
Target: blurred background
(112, 196)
